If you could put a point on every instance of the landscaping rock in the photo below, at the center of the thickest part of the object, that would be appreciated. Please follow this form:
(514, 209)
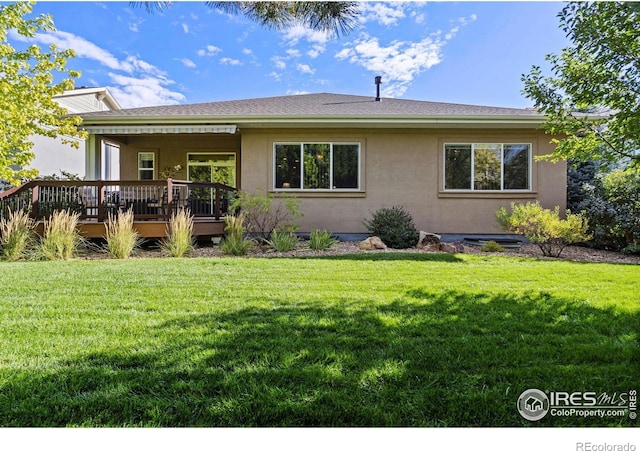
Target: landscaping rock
(372, 243)
(429, 241)
(452, 248)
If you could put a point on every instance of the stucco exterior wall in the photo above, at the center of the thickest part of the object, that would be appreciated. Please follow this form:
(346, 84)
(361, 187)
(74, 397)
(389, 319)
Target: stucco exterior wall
(404, 167)
(171, 150)
(398, 167)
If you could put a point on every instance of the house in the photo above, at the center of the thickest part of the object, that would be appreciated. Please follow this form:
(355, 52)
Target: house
(344, 156)
(53, 156)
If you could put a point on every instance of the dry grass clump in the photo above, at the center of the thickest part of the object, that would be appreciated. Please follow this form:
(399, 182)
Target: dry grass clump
(179, 241)
(61, 240)
(16, 236)
(122, 238)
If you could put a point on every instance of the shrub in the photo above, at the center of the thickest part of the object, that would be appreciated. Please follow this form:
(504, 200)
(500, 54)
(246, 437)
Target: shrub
(394, 226)
(61, 240)
(282, 241)
(265, 213)
(491, 246)
(122, 238)
(321, 239)
(179, 241)
(611, 202)
(544, 227)
(16, 236)
(235, 242)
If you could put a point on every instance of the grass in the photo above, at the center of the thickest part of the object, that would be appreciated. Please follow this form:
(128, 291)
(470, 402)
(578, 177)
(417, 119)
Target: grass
(16, 236)
(61, 240)
(179, 241)
(122, 238)
(367, 340)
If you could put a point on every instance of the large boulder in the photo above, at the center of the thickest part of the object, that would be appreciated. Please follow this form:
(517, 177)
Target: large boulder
(429, 241)
(372, 243)
(452, 248)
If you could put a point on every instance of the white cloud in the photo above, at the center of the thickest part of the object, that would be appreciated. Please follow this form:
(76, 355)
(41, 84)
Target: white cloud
(295, 34)
(247, 51)
(279, 62)
(209, 50)
(293, 53)
(305, 69)
(139, 84)
(277, 76)
(317, 39)
(186, 62)
(316, 50)
(145, 91)
(230, 61)
(462, 21)
(398, 63)
(386, 14)
(185, 28)
(82, 47)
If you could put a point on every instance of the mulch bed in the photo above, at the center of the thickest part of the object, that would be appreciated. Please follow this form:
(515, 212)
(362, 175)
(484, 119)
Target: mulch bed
(571, 253)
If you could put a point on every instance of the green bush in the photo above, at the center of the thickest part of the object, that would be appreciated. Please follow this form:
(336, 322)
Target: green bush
(122, 238)
(491, 246)
(394, 226)
(282, 241)
(611, 202)
(235, 242)
(179, 241)
(61, 240)
(16, 236)
(321, 239)
(264, 213)
(544, 227)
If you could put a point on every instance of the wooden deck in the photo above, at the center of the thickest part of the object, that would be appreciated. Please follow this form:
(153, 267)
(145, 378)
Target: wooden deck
(152, 202)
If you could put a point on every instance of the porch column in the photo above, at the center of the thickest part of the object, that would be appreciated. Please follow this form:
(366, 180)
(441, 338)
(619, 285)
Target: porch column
(92, 157)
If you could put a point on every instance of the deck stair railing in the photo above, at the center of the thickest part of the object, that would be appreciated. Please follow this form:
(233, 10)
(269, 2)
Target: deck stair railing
(96, 200)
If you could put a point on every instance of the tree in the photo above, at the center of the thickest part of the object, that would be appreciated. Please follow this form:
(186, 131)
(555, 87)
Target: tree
(334, 17)
(27, 87)
(593, 97)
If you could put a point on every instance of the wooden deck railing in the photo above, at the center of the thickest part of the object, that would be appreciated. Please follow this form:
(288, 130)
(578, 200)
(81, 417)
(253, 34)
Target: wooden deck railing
(96, 200)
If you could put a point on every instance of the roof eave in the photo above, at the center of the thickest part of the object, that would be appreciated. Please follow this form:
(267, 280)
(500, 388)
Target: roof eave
(325, 121)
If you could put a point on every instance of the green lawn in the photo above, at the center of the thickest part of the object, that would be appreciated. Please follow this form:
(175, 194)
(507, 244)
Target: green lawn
(368, 340)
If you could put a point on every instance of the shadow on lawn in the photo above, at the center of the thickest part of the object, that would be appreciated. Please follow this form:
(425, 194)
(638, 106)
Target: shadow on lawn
(427, 359)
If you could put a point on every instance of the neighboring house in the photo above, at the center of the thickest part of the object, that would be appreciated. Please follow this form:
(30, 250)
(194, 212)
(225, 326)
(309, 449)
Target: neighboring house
(451, 166)
(52, 156)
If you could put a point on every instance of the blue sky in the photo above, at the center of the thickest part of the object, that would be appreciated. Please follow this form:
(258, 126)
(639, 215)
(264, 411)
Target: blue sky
(461, 52)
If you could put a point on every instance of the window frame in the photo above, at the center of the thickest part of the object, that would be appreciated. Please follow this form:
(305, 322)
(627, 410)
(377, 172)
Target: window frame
(502, 189)
(153, 167)
(331, 188)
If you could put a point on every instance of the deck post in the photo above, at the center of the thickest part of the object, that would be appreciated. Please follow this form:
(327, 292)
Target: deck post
(217, 210)
(169, 198)
(35, 208)
(101, 209)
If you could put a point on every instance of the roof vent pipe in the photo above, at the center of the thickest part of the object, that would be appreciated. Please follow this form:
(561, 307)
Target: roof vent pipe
(378, 83)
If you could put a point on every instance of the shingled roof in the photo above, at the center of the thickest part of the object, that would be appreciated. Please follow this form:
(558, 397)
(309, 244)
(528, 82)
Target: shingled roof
(308, 108)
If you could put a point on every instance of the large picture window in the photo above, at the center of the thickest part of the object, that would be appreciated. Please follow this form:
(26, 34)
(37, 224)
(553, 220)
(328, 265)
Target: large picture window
(317, 166)
(487, 167)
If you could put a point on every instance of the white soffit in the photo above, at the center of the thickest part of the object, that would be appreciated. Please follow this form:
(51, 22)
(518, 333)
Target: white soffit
(158, 129)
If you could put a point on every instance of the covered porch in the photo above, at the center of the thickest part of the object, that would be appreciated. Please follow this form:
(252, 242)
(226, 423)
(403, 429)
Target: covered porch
(152, 202)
